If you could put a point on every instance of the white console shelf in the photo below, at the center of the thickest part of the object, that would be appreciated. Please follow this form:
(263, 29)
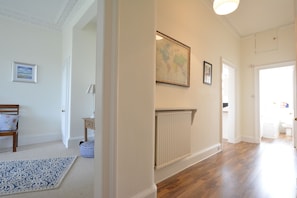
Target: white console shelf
(160, 110)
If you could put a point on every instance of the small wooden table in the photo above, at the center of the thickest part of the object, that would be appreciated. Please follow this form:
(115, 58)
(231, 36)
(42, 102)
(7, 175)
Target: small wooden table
(89, 123)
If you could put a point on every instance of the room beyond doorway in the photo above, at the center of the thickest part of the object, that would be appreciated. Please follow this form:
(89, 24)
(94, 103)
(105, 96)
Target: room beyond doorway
(276, 101)
(228, 100)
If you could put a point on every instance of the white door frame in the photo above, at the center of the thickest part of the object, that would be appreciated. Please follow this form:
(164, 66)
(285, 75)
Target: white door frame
(294, 134)
(257, 69)
(232, 135)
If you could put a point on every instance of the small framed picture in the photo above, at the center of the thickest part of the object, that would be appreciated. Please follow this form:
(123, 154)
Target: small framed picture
(24, 72)
(207, 73)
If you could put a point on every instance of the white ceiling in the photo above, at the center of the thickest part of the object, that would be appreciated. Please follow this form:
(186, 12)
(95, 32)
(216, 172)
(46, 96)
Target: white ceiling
(251, 17)
(49, 13)
(254, 16)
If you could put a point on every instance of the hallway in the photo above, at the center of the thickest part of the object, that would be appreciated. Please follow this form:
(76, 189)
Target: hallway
(242, 170)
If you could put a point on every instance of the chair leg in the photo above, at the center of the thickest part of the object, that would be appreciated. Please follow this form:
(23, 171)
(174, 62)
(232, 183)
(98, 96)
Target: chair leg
(17, 139)
(14, 142)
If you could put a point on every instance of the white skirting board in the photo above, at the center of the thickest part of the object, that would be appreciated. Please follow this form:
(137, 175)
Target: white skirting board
(74, 141)
(6, 142)
(150, 192)
(170, 170)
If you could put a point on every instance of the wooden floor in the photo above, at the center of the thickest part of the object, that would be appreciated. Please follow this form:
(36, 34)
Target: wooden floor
(243, 170)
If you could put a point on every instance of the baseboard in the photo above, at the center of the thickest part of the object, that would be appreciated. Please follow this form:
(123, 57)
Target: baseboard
(6, 142)
(74, 141)
(234, 141)
(249, 139)
(170, 170)
(150, 192)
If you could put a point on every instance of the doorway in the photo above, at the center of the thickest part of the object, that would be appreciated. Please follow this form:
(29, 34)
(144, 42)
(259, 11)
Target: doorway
(276, 101)
(228, 100)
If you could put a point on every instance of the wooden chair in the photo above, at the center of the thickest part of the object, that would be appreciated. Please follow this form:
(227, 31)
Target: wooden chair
(10, 109)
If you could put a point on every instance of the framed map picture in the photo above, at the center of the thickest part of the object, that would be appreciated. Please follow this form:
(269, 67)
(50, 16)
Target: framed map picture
(172, 61)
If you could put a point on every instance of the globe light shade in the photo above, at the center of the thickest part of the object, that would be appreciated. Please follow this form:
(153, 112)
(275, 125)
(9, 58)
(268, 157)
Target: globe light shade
(223, 7)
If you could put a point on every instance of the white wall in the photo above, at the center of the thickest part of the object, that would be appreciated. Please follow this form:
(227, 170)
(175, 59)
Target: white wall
(41, 102)
(194, 23)
(39, 116)
(125, 112)
(285, 51)
(136, 75)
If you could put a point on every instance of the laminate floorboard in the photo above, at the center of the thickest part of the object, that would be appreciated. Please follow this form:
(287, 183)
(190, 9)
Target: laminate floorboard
(242, 170)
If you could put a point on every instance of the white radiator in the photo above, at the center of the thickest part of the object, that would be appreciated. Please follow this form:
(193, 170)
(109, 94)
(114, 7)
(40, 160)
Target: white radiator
(173, 137)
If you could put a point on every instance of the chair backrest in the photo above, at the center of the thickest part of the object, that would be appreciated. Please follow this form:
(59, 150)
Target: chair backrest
(11, 109)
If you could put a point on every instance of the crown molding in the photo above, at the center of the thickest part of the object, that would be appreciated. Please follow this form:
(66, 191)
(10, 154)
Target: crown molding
(27, 18)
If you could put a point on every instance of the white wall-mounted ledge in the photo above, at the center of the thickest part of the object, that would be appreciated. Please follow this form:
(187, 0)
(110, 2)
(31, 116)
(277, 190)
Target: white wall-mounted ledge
(193, 110)
(175, 109)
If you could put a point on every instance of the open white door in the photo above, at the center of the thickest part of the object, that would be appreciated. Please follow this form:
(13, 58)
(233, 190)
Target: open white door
(65, 101)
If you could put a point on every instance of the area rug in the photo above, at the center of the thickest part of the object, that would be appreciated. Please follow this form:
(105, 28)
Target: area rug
(20, 176)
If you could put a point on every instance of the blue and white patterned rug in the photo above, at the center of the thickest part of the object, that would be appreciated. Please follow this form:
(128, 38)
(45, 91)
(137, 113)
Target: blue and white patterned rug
(20, 176)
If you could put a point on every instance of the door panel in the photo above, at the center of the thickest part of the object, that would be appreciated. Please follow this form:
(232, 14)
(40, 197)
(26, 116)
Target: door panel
(65, 102)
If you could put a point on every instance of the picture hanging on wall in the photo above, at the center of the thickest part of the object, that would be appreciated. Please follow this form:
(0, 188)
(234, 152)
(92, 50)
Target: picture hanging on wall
(24, 72)
(172, 61)
(207, 73)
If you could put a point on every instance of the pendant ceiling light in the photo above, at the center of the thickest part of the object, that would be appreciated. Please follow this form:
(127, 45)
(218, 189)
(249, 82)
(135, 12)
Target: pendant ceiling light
(223, 7)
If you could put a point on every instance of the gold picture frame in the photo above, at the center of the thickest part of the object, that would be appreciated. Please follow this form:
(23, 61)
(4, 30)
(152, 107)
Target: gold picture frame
(172, 61)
